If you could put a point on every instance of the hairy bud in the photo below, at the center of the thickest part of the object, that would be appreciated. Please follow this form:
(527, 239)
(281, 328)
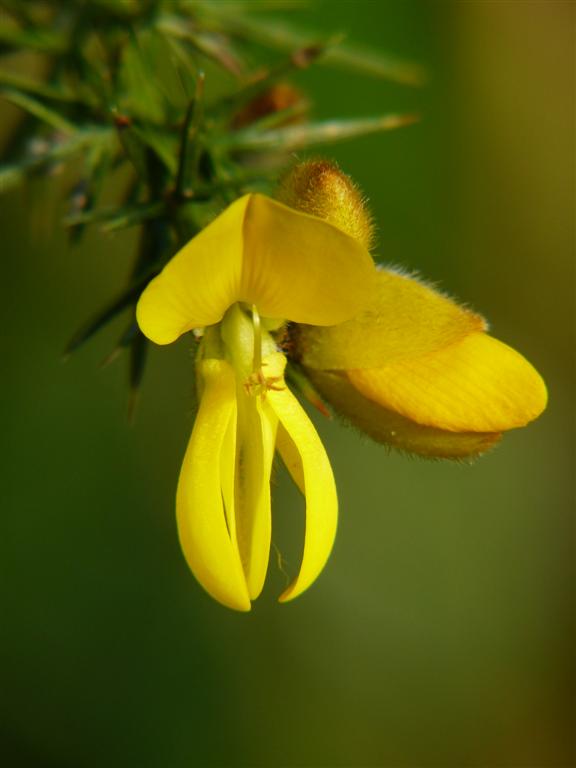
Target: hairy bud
(320, 188)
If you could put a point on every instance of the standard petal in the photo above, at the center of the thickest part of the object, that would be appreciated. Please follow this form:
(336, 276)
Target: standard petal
(289, 264)
(256, 437)
(301, 268)
(209, 550)
(199, 283)
(405, 318)
(478, 384)
(319, 486)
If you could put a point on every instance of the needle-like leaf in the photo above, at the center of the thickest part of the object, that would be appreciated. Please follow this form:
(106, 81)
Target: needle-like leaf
(293, 137)
(38, 109)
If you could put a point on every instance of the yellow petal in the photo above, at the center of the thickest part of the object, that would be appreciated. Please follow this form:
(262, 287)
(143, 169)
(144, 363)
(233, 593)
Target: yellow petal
(406, 318)
(199, 283)
(290, 456)
(319, 486)
(478, 384)
(209, 550)
(301, 268)
(388, 427)
(228, 474)
(291, 265)
(256, 437)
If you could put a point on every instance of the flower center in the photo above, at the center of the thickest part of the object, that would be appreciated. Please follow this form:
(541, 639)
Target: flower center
(247, 342)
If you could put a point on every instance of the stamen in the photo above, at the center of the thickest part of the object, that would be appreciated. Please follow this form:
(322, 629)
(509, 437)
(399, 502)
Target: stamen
(258, 384)
(257, 359)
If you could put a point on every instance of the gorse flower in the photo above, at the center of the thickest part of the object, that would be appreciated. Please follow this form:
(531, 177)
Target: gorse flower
(257, 264)
(276, 290)
(395, 358)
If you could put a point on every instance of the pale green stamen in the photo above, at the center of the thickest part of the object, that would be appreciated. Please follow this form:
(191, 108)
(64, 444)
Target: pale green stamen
(257, 364)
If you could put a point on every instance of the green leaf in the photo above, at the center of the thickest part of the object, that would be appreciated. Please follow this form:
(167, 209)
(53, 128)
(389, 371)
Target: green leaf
(36, 108)
(98, 163)
(184, 65)
(283, 36)
(142, 95)
(189, 149)
(126, 338)
(366, 61)
(164, 144)
(294, 137)
(14, 173)
(139, 140)
(45, 91)
(115, 218)
(135, 148)
(282, 117)
(136, 215)
(212, 45)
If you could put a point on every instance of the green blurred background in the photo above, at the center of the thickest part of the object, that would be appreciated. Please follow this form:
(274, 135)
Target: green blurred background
(441, 632)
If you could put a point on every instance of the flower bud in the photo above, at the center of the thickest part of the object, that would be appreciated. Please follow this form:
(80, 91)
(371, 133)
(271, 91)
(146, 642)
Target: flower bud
(280, 97)
(320, 188)
(391, 428)
(419, 372)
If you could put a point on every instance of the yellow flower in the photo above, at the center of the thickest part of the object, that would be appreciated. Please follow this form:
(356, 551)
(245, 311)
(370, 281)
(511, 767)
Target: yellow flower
(258, 264)
(414, 369)
(419, 372)
(399, 360)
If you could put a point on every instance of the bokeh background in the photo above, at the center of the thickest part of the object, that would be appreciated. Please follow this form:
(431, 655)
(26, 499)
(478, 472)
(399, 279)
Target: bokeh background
(441, 632)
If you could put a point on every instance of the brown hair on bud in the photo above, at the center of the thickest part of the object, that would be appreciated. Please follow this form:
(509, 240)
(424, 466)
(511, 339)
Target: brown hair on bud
(320, 188)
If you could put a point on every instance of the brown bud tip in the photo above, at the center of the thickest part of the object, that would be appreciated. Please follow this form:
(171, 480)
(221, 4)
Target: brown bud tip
(306, 56)
(122, 121)
(320, 188)
(280, 97)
